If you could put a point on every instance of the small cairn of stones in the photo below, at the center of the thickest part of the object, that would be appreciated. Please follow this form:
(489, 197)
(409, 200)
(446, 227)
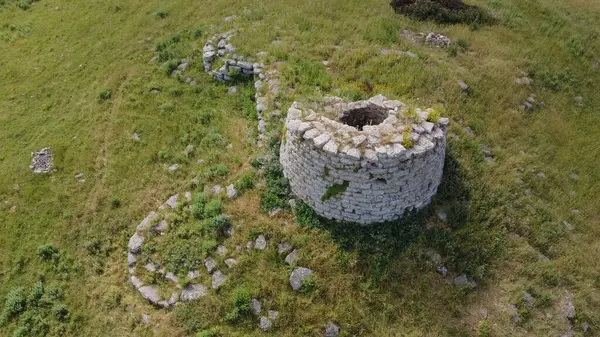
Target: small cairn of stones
(41, 162)
(438, 40)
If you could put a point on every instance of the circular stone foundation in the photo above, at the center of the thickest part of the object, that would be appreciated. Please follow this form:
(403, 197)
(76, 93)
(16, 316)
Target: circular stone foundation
(375, 161)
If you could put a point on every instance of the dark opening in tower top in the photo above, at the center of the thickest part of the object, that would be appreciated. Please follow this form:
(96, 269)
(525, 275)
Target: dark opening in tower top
(361, 116)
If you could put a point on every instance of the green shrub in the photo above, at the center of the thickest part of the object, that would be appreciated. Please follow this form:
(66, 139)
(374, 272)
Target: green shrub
(213, 208)
(24, 4)
(213, 139)
(443, 11)
(15, 304)
(170, 66)
(309, 284)
(115, 202)
(167, 107)
(220, 222)
(452, 50)
(105, 94)
(246, 182)
(308, 74)
(198, 206)
(306, 216)
(277, 193)
(462, 43)
(60, 312)
(219, 170)
(241, 300)
(47, 252)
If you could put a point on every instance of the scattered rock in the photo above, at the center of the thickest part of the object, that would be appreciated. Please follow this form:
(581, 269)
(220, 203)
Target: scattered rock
(461, 280)
(541, 175)
(232, 90)
(569, 308)
(192, 292)
(579, 101)
(135, 243)
(463, 86)
(210, 264)
(292, 203)
(230, 263)
(586, 326)
(216, 190)
(441, 270)
(291, 257)
(528, 300)
(136, 282)
(284, 247)
(155, 91)
(218, 279)
(523, 80)
(515, 313)
(221, 250)
(171, 277)
(162, 226)
(469, 131)
(145, 319)
(189, 150)
(574, 176)
(135, 137)
(173, 167)
(150, 293)
(298, 275)
(265, 324)
(260, 243)
(172, 201)
(150, 267)
(332, 330)
(273, 314)
(41, 162)
(273, 213)
(575, 211)
(442, 216)
(193, 274)
(232, 193)
(256, 307)
(438, 40)
(131, 259)
(568, 225)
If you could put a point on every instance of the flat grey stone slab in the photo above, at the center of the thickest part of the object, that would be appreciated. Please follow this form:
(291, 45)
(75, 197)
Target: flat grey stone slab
(192, 292)
(218, 279)
(150, 293)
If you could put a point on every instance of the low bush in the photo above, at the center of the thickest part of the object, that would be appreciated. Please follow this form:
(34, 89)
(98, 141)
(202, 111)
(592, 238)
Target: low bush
(443, 11)
(219, 170)
(47, 252)
(105, 94)
(213, 208)
(241, 300)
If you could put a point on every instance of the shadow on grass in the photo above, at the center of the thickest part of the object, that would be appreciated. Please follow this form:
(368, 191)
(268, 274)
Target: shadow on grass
(464, 245)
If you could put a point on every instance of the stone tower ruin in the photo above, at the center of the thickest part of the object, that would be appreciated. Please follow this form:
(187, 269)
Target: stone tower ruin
(366, 161)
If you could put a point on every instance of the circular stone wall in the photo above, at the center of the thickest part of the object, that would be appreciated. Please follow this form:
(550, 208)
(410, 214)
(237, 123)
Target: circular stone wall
(376, 160)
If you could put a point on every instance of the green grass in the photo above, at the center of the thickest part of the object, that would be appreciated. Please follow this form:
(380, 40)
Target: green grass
(78, 79)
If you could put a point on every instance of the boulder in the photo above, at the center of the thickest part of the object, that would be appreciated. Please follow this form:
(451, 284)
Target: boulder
(256, 307)
(265, 324)
(298, 275)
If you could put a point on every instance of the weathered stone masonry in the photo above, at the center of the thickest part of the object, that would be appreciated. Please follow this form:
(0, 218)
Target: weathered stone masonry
(377, 161)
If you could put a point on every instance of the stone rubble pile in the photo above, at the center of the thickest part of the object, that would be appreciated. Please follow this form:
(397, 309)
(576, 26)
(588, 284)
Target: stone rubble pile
(438, 40)
(233, 65)
(41, 162)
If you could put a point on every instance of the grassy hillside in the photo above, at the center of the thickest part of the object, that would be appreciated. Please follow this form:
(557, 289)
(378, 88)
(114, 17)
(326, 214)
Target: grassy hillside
(63, 242)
